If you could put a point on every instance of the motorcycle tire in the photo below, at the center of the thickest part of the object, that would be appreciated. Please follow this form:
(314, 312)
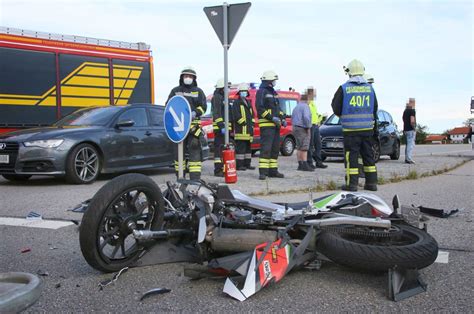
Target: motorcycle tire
(104, 222)
(413, 248)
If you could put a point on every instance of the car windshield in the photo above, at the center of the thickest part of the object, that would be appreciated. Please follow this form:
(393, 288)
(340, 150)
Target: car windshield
(333, 120)
(89, 116)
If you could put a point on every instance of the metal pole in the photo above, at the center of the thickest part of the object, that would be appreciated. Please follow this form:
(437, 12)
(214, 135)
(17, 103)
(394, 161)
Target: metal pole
(226, 88)
(180, 160)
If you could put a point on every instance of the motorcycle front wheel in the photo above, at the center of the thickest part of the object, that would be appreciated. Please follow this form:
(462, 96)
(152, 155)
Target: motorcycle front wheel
(105, 238)
(407, 247)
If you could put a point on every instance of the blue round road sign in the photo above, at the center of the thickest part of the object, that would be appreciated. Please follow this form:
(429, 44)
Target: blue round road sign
(177, 118)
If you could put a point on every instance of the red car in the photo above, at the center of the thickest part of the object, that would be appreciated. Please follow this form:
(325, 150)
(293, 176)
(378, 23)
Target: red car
(288, 101)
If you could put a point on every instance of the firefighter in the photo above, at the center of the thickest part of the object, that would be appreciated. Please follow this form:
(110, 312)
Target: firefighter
(370, 79)
(218, 111)
(356, 105)
(192, 143)
(243, 128)
(270, 119)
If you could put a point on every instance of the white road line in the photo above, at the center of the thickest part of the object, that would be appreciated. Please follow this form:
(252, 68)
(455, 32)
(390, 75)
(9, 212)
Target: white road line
(34, 223)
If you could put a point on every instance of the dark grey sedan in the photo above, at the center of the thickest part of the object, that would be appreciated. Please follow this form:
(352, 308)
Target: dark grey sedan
(88, 142)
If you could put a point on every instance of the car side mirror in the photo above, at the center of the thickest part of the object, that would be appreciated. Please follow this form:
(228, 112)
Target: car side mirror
(383, 124)
(124, 123)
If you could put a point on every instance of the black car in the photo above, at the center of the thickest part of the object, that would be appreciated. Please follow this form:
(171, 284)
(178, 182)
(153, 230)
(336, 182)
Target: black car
(388, 142)
(88, 142)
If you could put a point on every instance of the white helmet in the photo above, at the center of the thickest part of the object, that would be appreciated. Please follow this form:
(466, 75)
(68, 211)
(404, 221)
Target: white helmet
(369, 78)
(220, 83)
(355, 67)
(269, 76)
(189, 70)
(244, 87)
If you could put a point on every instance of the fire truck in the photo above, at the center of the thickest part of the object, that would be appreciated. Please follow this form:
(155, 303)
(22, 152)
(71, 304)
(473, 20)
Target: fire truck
(45, 76)
(288, 101)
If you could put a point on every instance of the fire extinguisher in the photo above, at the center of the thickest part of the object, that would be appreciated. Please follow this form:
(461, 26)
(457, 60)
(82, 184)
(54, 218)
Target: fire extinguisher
(230, 168)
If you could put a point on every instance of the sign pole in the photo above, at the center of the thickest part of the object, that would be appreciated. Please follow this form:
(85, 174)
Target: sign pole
(226, 79)
(180, 160)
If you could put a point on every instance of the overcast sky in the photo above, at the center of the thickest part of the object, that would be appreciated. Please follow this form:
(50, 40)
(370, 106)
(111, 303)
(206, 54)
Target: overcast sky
(421, 49)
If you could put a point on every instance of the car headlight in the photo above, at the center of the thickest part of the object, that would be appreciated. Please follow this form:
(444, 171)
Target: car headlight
(44, 143)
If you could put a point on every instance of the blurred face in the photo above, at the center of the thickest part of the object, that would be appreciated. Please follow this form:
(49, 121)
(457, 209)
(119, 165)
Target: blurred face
(411, 103)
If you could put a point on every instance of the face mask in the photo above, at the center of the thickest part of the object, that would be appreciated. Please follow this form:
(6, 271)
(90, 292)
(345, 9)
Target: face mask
(243, 94)
(274, 83)
(188, 80)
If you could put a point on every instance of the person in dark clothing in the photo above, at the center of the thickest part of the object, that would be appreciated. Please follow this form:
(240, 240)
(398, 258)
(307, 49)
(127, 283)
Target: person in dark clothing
(218, 123)
(193, 141)
(270, 119)
(409, 128)
(242, 114)
(356, 105)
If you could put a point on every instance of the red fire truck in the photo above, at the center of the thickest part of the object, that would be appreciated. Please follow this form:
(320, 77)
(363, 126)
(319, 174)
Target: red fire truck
(288, 101)
(47, 76)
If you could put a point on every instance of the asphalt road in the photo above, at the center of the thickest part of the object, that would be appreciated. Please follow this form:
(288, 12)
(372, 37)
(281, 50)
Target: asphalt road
(72, 285)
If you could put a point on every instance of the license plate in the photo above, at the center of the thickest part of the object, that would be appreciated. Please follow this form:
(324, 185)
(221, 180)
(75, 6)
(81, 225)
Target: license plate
(4, 159)
(335, 145)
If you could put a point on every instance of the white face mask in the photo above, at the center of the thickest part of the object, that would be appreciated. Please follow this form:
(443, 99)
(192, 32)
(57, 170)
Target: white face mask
(243, 94)
(188, 80)
(274, 83)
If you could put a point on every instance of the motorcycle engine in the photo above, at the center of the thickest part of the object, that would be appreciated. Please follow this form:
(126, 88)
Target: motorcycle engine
(241, 215)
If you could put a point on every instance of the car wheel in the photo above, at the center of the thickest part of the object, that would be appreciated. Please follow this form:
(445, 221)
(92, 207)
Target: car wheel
(396, 151)
(288, 146)
(83, 164)
(16, 177)
(376, 149)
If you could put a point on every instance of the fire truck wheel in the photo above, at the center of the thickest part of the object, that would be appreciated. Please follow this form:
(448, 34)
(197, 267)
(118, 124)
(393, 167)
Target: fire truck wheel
(83, 164)
(288, 146)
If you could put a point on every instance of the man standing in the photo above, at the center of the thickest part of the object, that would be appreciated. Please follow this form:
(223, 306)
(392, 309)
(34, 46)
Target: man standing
(243, 128)
(409, 128)
(314, 152)
(356, 105)
(301, 121)
(192, 143)
(218, 124)
(270, 119)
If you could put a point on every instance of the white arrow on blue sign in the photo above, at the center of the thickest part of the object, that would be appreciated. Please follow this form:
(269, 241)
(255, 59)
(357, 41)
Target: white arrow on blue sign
(177, 118)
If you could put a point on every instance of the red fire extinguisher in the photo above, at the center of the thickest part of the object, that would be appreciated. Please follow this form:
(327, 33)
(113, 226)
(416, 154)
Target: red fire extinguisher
(230, 168)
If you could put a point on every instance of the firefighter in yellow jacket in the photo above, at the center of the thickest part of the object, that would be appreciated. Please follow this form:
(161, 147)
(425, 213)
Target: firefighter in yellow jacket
(243, 128)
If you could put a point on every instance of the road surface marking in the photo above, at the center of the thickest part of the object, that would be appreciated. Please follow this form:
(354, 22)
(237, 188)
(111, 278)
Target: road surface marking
(34, 223)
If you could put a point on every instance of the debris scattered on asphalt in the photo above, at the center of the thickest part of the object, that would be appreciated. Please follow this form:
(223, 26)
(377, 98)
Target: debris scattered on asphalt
(440, 213)
(58, 285)
(53, 248)
(443, 257)
(33, 215)
(154, 291)
(80, 208)
(105, 283)
(42, 273)
(25, 250)
(76, 222)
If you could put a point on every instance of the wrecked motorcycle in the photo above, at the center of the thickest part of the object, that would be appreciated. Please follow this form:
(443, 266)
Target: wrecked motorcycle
(253, 242)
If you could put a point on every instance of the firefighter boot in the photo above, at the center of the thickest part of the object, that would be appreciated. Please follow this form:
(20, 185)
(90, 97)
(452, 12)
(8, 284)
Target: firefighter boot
(351, 184)
(241, 165)
(370, 181)
(247, 163)
(273, 173)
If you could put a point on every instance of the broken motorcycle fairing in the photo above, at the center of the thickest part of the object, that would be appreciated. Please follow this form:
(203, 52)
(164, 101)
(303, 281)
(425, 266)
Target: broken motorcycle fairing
(254, 242)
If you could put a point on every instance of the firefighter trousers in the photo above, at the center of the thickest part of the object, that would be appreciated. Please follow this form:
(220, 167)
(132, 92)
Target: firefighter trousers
(192, 162)
(269, 150)
(243, 154)
(219, 140)
(355, 145)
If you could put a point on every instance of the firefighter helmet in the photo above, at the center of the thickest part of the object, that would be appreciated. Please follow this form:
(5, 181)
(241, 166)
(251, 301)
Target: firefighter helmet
(189, 71)
(220, 83)
(269, 76)
(244, 87)
(369, 78)
(355, 67)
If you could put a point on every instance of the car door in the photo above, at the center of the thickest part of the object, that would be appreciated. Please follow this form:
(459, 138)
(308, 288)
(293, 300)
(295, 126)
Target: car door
(384, 135)
(128, 143)
(160, 146)
(391, 131)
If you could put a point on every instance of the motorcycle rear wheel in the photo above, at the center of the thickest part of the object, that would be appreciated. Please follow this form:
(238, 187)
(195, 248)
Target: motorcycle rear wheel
(412, 248)
(106, 242)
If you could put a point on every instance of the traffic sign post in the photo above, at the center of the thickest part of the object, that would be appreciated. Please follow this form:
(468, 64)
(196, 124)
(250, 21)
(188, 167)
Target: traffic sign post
(226, 20)
(177, 121)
